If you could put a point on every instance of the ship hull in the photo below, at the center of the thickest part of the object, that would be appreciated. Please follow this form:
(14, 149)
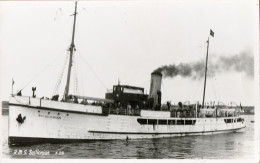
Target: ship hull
(48, 123)
(17, 141)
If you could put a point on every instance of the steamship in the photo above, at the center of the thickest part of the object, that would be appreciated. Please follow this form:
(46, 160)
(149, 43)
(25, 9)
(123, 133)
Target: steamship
(126, 112)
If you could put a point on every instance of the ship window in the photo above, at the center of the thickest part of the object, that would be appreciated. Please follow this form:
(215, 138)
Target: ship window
(228, 120)
(152, 121)
(239, 120)
(171, 122)
(48, 112)
(162, 122)
(180, 122)
(142, 121)
(188, 122)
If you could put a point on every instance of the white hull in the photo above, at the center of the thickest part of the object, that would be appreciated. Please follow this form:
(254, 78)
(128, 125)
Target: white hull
(48, 124)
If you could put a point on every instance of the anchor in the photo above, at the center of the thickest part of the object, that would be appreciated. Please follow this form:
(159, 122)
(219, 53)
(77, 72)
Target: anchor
(20, 119)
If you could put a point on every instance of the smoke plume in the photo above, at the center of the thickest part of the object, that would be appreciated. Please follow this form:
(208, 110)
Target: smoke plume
(242, 62)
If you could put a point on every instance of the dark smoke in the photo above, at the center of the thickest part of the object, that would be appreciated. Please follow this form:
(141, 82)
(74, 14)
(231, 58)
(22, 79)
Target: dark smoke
(239, 63)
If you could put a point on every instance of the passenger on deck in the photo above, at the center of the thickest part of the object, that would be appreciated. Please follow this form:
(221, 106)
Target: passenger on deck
(55, 98)
(136, 108)
(84, 101)
(99, 103)
(168, 105)
(75, 99)
(129, 108)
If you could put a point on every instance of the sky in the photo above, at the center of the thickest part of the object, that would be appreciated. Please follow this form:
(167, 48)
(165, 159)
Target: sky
(126, 41)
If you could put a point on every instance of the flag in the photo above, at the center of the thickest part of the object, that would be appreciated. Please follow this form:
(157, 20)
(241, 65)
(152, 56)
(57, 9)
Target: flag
(211, 33)
(12, 81)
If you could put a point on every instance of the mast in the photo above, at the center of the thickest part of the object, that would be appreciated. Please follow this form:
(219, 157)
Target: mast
(71, 49)
(205, 79)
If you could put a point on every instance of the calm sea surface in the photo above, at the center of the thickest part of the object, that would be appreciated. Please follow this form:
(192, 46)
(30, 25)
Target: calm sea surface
(221, 146)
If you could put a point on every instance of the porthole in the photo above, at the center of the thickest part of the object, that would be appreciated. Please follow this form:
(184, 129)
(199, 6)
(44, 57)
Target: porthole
(67, 114)
(58, 113)
(39, 111)
(48, 112)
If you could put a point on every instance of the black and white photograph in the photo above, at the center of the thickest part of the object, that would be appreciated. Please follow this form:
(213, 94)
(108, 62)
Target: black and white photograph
(173, 79)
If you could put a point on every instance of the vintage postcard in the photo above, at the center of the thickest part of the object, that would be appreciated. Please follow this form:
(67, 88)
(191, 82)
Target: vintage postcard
(130, 80)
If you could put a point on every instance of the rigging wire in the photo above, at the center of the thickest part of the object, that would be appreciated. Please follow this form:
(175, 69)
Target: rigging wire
(200, 79)
(197, 86)
(57, 86)
(75, 71)
(81, 80)
(93, 72)
(74, 74)
(25, 84)
(212, 87)
(58, 14)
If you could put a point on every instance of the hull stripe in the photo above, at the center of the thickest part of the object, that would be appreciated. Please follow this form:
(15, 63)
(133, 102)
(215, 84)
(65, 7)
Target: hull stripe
(138, 133)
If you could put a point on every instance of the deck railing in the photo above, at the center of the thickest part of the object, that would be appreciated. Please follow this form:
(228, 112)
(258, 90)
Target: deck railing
(174, 113)
(122, 111)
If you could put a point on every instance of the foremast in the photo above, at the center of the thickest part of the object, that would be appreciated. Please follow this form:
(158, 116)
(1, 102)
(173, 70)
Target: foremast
(71, 49)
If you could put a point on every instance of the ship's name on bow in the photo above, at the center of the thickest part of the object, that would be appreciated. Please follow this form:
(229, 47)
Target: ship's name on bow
(49, 116)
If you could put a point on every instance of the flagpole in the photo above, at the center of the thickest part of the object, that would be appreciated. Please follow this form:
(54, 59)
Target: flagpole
(205, 79)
